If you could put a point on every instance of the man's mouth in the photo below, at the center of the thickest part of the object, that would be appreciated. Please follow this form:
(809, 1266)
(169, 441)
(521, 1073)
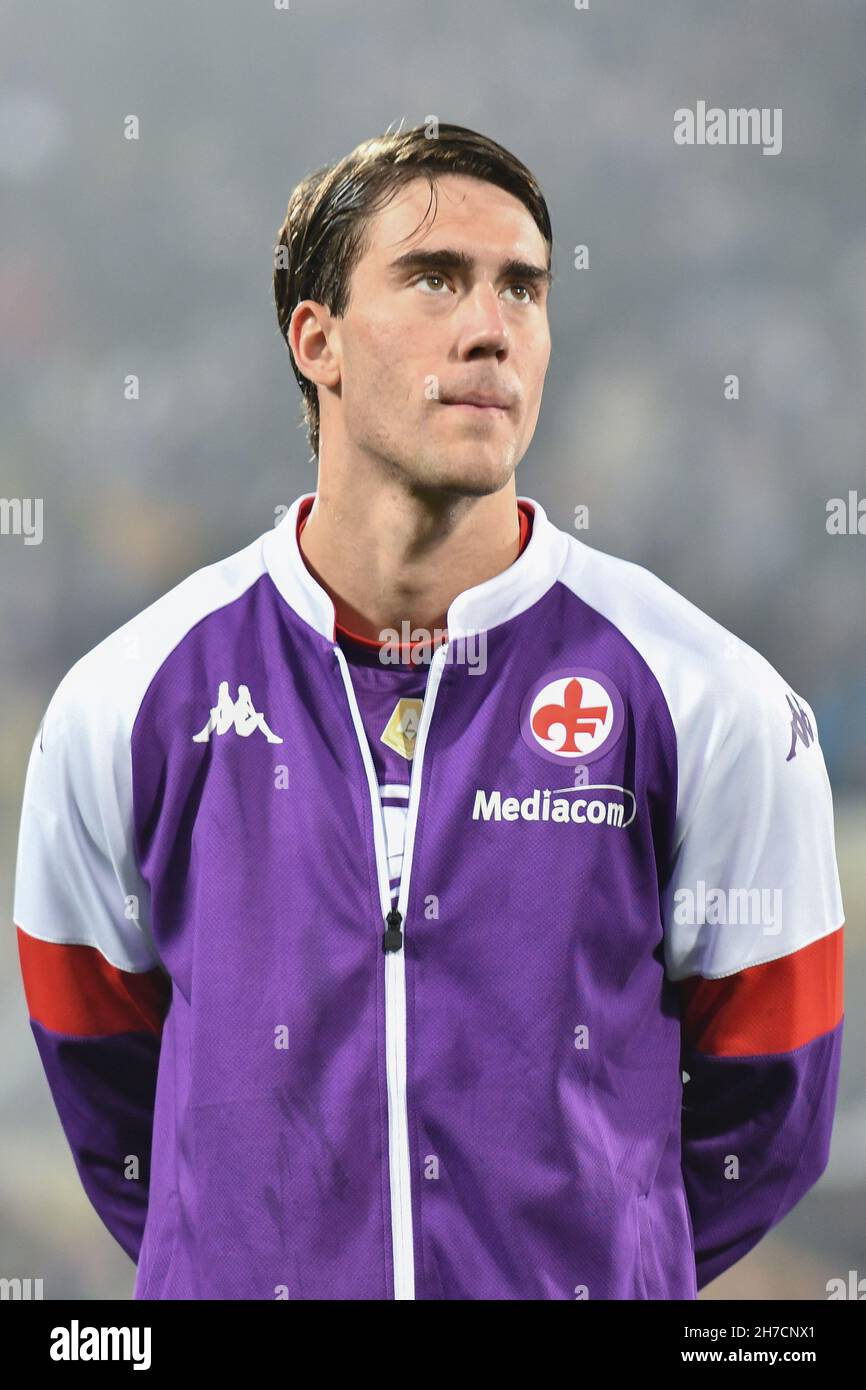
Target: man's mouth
(482, 402)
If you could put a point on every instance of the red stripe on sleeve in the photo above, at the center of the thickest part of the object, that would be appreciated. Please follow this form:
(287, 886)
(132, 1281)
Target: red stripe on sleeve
(74, 990)
(775, 1007)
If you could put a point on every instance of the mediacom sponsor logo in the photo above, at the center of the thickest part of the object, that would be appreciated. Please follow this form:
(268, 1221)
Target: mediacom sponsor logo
(616, 809)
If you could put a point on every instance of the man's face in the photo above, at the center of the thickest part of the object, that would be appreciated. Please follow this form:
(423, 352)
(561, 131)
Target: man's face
(422, 332)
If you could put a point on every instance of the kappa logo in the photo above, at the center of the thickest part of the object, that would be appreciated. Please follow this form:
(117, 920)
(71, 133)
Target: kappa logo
(801, 727)
(572, 715)
(239, 714)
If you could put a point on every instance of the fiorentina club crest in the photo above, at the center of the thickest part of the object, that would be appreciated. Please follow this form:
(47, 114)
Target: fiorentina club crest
(572, 715)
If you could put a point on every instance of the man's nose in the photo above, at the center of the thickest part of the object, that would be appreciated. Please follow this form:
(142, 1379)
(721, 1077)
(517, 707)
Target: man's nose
(482, 321)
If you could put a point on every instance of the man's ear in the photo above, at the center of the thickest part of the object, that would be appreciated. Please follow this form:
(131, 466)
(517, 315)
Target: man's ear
(312, 330)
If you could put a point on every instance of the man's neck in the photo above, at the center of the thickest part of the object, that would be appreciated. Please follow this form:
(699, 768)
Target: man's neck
(387, 557)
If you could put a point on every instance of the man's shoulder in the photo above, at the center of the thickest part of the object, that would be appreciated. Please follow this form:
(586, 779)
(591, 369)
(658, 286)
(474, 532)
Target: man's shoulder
(693, 657)
(104, 688)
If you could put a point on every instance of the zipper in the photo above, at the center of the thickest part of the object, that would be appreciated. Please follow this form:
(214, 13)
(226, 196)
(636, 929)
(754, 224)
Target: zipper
(392, 939)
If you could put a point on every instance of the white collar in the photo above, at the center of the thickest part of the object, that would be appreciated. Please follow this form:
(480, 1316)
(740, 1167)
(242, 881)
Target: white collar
(484, 606)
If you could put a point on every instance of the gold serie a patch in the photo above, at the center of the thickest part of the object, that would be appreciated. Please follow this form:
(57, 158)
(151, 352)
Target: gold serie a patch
(401, 730)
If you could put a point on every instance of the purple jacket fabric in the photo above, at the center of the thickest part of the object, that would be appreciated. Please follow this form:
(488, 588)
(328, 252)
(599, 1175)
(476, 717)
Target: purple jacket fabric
(285, 1072)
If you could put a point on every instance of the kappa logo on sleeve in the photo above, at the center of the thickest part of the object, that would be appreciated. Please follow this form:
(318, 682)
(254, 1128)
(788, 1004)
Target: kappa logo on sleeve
(572, 715)
(239, 714)
(801, 727)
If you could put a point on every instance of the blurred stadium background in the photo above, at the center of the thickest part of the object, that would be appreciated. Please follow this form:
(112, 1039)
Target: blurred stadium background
(154, 257)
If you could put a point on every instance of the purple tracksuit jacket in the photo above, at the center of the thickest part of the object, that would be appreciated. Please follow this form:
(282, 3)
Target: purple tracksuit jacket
(515, 973)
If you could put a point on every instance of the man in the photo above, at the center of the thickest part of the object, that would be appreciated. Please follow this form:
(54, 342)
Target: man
(421, 903)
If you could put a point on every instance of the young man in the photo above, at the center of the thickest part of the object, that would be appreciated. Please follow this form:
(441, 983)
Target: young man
(421, 903)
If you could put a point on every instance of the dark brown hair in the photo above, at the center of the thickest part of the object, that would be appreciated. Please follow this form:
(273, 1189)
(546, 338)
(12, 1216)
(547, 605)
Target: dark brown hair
(323, 235)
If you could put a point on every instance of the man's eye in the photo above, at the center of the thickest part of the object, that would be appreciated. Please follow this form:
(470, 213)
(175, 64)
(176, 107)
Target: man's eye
(430, 275)
(530, 292)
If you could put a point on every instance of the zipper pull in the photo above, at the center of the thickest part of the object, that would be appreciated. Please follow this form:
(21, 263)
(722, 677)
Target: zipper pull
(392, 937)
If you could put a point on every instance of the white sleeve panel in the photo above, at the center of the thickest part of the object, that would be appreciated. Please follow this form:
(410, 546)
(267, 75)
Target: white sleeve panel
(754, 875)
(76, 878)
(751, 824)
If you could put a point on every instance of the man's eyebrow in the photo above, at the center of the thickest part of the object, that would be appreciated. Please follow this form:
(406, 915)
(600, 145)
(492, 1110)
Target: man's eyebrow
(458, 261)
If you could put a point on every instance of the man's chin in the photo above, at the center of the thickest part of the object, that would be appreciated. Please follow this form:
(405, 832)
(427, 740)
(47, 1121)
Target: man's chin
(466, 472)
